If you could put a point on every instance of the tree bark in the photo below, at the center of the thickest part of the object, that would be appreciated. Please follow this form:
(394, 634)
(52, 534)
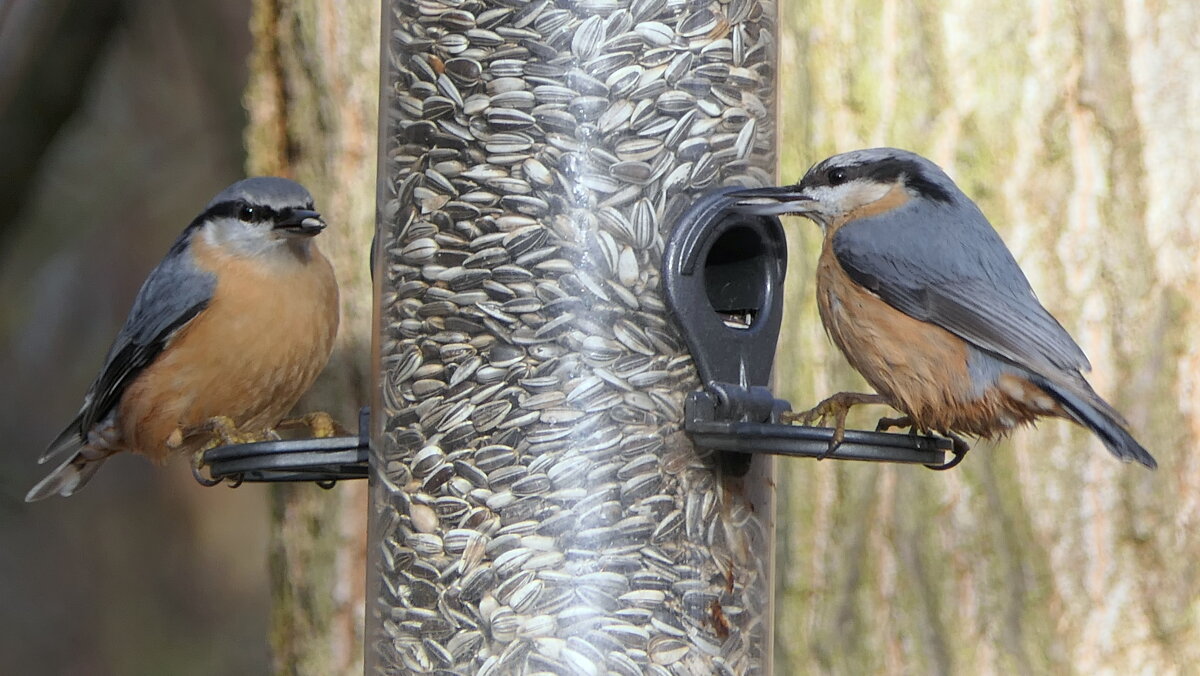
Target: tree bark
(1072, 125)
(312, 103)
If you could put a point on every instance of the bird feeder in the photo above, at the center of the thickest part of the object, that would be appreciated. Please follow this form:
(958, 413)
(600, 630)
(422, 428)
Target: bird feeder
(536, 503)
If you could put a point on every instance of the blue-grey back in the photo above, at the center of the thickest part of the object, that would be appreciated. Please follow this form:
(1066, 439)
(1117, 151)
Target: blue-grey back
(942, 262)
(172, 295)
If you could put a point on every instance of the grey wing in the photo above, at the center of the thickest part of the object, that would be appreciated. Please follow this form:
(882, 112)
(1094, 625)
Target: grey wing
(174, 293)
(947, 266)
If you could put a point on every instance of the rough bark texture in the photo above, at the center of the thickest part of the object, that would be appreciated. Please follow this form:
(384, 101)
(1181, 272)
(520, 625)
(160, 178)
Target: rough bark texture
(312, 100)
(1074, 126)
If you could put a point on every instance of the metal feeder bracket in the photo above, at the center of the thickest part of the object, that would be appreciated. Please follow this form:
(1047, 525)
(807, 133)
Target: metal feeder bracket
(723, 274)
(323, 461)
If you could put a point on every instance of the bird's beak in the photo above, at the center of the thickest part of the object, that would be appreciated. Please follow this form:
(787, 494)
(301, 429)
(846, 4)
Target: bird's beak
(772, 201)
(301, 223)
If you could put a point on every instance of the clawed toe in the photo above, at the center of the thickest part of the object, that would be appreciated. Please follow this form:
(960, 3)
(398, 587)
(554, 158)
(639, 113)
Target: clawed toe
(886, 424)
(959, 448)
(207, 481)
(809, 417)
(223, 431)
(198, 469)
(836, 407)
(319, 424)
(835, 441)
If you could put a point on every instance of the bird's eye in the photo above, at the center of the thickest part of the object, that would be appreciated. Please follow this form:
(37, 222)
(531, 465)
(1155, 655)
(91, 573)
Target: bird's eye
(837, 176)
(247, 213)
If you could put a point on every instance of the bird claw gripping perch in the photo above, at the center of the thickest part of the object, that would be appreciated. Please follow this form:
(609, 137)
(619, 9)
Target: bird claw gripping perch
(959, 446)
(838, 407)
(197, 466)
(222, 431)
(325, 458)
(320, 425)
(959, 449)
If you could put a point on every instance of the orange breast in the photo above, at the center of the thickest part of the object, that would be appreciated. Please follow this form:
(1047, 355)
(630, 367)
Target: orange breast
(257, 347)
(921, 367)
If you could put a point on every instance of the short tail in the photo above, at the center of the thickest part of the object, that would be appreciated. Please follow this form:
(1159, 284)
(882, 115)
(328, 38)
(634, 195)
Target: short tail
(69, 476)
(1100, 420)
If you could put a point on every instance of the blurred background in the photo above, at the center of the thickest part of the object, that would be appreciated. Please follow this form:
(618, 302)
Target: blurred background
(1075, 125)
(118, 120)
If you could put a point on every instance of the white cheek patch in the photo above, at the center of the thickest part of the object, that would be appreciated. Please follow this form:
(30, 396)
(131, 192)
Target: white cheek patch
(825, 194)
(838, 200)
(238, 237)
(859, 193)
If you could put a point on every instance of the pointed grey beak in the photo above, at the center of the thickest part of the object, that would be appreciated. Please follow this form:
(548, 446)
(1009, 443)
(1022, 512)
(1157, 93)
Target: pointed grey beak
(301, 222)
(773, 201)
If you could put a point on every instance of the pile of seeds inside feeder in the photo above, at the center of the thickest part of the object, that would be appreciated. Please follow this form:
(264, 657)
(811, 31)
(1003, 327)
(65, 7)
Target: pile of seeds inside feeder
(538, 509)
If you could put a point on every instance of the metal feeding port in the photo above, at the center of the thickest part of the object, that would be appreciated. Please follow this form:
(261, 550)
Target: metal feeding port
(323, 461)
(723, 275)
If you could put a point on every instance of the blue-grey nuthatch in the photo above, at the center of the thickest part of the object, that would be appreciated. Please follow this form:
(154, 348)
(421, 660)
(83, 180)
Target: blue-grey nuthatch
(920, 293)
(225, 335)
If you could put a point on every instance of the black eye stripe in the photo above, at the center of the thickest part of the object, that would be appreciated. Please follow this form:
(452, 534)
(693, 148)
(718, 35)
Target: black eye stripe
(888, 171)
(882, 171)
(832, 176)
(235, 209)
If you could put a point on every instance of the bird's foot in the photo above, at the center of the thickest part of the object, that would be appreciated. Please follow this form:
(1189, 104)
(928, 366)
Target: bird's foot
(836, 407)
(959, 449)
(221, 431)
(319, 424)
(959, 446)
(886, 424)
(198, 467)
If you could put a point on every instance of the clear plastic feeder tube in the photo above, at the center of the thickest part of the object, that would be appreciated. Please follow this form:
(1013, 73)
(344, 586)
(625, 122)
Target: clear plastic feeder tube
(535, 505)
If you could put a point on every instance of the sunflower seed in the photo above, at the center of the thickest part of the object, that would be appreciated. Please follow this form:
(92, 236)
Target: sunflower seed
(538, 504)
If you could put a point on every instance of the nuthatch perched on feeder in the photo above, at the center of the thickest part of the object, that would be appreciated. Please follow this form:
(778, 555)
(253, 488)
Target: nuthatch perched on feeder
(225, 335)
(921, 295)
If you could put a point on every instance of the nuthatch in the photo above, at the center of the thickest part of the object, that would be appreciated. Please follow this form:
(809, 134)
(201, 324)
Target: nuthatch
(921, 295)
(225, 335)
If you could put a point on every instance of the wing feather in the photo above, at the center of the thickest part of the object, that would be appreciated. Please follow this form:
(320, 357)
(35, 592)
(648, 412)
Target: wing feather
(944, 264)
(173, 294)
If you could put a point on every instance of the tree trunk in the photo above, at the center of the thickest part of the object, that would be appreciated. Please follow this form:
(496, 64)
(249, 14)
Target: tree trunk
(1073, 127)
(312, 102)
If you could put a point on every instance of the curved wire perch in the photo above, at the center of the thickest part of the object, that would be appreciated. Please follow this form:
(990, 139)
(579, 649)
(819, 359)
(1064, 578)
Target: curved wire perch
(322, 461)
